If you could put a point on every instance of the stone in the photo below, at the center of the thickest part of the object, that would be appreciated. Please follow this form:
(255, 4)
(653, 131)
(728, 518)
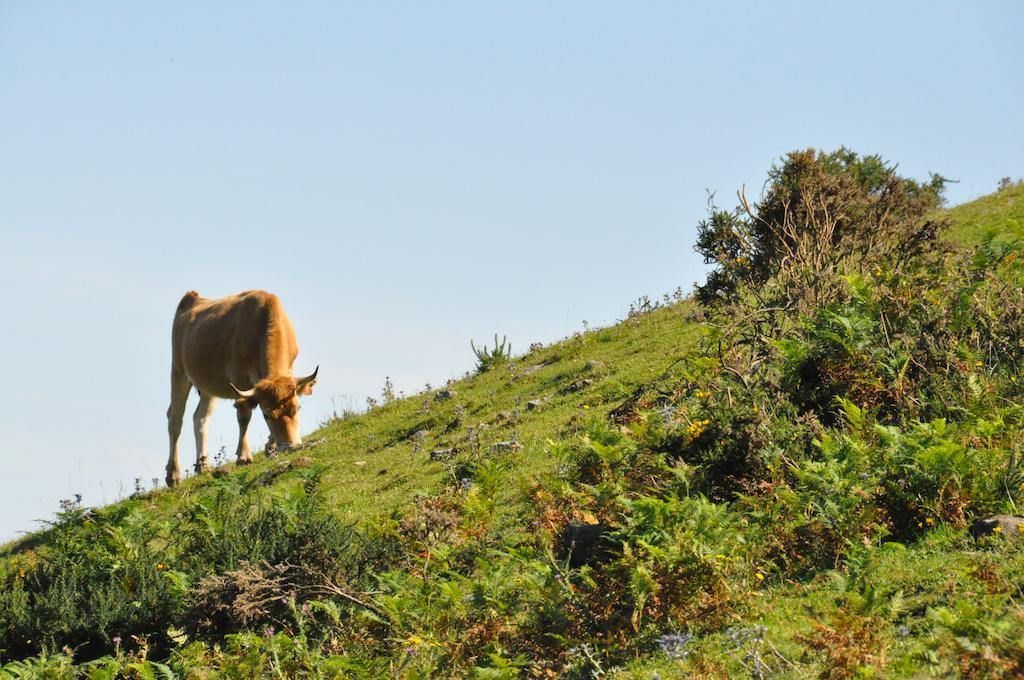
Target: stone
(534, 404)
(445, 394)
(1005, 525)
(506, 447)
(578, 385)
(533, 369)
(442, 454)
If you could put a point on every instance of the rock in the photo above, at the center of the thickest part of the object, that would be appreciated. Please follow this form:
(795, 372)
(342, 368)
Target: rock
(445, 394)
(533, 369)
(534, 404)
(302, 461)
(506, 447)
(578, 385)
(442, 454)
(593, 365)
(1005, 525)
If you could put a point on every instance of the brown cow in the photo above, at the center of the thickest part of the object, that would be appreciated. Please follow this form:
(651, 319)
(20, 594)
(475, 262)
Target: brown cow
(217, 345)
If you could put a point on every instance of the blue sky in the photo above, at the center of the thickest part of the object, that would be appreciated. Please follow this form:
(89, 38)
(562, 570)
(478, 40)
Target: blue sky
(408, 176)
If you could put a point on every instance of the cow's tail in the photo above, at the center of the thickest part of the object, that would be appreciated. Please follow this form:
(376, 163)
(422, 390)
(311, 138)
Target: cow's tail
(187, 301)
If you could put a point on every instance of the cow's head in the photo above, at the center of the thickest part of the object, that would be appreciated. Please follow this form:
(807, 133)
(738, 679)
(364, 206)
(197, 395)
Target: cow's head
(278, 399)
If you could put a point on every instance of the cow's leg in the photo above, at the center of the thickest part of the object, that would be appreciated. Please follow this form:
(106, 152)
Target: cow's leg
(175, 414)
(244, 413)
(201, 421)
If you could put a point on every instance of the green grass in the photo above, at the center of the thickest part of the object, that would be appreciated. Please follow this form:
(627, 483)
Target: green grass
(1003, 210)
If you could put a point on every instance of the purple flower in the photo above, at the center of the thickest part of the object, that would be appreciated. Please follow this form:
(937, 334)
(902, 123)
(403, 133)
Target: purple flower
(305, 608)
(269, 631)
(116, 640)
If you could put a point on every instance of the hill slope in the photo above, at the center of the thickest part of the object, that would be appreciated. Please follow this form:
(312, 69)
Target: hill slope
(562, 514)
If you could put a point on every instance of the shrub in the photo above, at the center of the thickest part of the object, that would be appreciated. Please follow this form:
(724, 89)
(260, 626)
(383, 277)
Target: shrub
(823, 214)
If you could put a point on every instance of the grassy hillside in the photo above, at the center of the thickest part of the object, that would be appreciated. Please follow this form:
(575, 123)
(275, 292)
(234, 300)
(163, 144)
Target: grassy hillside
(629, 501)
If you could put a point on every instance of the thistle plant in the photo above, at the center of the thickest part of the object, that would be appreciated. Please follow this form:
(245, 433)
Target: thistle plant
(486, 359)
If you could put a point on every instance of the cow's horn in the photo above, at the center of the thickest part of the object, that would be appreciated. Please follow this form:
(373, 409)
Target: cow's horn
(308, 379)
(243, 394)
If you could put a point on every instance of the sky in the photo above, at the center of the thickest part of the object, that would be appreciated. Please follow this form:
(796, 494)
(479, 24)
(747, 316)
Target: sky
(407, 177)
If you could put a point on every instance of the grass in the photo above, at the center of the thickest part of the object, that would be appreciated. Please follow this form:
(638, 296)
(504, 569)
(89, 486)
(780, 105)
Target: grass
(1003, 210)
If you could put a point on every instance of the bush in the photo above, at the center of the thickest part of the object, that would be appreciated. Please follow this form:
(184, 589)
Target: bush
(823, 214)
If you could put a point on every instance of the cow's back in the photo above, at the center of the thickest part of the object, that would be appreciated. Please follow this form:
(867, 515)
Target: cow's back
(238, 339)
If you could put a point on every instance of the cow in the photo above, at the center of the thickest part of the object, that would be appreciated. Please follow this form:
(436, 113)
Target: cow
(241, 347)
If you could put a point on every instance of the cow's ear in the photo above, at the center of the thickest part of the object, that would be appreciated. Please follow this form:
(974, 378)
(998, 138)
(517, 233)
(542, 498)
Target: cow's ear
(304, 386)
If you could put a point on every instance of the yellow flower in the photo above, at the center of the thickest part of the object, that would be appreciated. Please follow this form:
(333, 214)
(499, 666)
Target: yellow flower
(586, 407)
(929, 521)
(996, 530)
(759, 575)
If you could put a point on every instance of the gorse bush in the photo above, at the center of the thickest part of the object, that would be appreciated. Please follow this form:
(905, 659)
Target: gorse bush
(822, 215)
(96, 576)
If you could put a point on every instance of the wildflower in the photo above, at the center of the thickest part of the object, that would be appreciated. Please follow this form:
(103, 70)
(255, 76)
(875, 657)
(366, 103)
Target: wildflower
(676, 646)
(759, 575)
(160, 566)
(586, 407)
(929, 521)
(996, 530)
(268, 631)
(903, 631)
(116, 640)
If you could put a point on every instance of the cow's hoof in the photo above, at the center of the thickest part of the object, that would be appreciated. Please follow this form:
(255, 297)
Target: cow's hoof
(172, 479)
(202, 467)
(245, 461)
